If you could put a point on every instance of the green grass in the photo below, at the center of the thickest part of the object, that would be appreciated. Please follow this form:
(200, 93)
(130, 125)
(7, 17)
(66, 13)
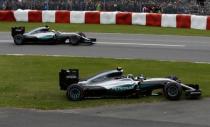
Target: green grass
(32, 81)
(137, 29)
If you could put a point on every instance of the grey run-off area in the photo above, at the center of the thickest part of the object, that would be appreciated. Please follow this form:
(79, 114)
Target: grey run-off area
(184, 113)
(157, 47)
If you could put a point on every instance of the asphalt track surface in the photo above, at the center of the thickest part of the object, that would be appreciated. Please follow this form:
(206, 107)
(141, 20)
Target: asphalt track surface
(158, 47)
(183, 113)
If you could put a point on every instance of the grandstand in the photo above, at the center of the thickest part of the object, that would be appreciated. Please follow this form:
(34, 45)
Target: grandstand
(197, 7)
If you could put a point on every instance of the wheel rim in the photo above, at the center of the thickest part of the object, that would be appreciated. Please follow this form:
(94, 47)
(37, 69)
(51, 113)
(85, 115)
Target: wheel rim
(173, 91)
(67, 41)
(75, 93)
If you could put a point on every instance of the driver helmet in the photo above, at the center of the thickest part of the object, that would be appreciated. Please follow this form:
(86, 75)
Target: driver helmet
(47, 27)
(141, 77)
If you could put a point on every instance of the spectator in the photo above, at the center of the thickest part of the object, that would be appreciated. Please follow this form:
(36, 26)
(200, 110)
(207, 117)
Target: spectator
(46, 7)
(144, 9)
(98, 6)
(4, 6)
(153, 6)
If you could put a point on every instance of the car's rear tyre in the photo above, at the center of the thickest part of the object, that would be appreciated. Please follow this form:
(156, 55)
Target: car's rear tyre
(75, 92)
(75, 40)
(173, 91)
(18, 39)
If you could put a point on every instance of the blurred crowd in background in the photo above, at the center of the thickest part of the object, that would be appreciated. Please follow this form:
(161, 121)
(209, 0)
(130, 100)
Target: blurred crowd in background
(150, 6)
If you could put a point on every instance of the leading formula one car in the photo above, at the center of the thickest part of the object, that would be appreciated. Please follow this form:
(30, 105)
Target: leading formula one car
(43, 35)
(113, 84)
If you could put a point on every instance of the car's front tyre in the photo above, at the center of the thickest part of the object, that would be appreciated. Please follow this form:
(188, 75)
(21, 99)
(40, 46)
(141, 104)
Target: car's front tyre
(75, 40)
(75, 92)
(173, 91)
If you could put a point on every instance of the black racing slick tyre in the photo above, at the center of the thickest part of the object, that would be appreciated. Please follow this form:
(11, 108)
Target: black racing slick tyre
(75, 40)
(75, 92)
(173, 91)
(18, 39)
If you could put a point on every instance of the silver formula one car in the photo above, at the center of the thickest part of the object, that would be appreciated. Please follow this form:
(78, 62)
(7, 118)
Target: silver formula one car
(43, 35)
(114, 84)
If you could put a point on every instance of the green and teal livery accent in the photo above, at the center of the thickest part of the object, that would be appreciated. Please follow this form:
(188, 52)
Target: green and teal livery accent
(123, 87)
(46, 37)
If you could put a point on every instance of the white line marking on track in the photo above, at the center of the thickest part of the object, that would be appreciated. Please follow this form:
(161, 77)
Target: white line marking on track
(5, 41)
(139, 44)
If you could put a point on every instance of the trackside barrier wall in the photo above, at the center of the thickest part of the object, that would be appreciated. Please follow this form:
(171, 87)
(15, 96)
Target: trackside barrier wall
(168, 20)
(108, 17)
(198, 22)
(48, 16)
(208, 23)
(124, 18)
(77, 17)
(62, 16)
(139, 18)
(97, 17)
(153, 19)
(92, 17)
(7, 16)
(21, 15)
(35, 16)
(183, 21)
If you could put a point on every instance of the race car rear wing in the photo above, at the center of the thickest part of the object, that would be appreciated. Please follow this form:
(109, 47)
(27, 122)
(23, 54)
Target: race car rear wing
(68, 77)
(17, 30)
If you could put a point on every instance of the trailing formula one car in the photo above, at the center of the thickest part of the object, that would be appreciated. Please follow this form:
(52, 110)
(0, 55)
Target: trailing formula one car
(43, 35)
(113, 84)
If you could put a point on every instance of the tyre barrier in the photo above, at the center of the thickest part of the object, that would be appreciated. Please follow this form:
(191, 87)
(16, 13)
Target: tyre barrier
(97, 17)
